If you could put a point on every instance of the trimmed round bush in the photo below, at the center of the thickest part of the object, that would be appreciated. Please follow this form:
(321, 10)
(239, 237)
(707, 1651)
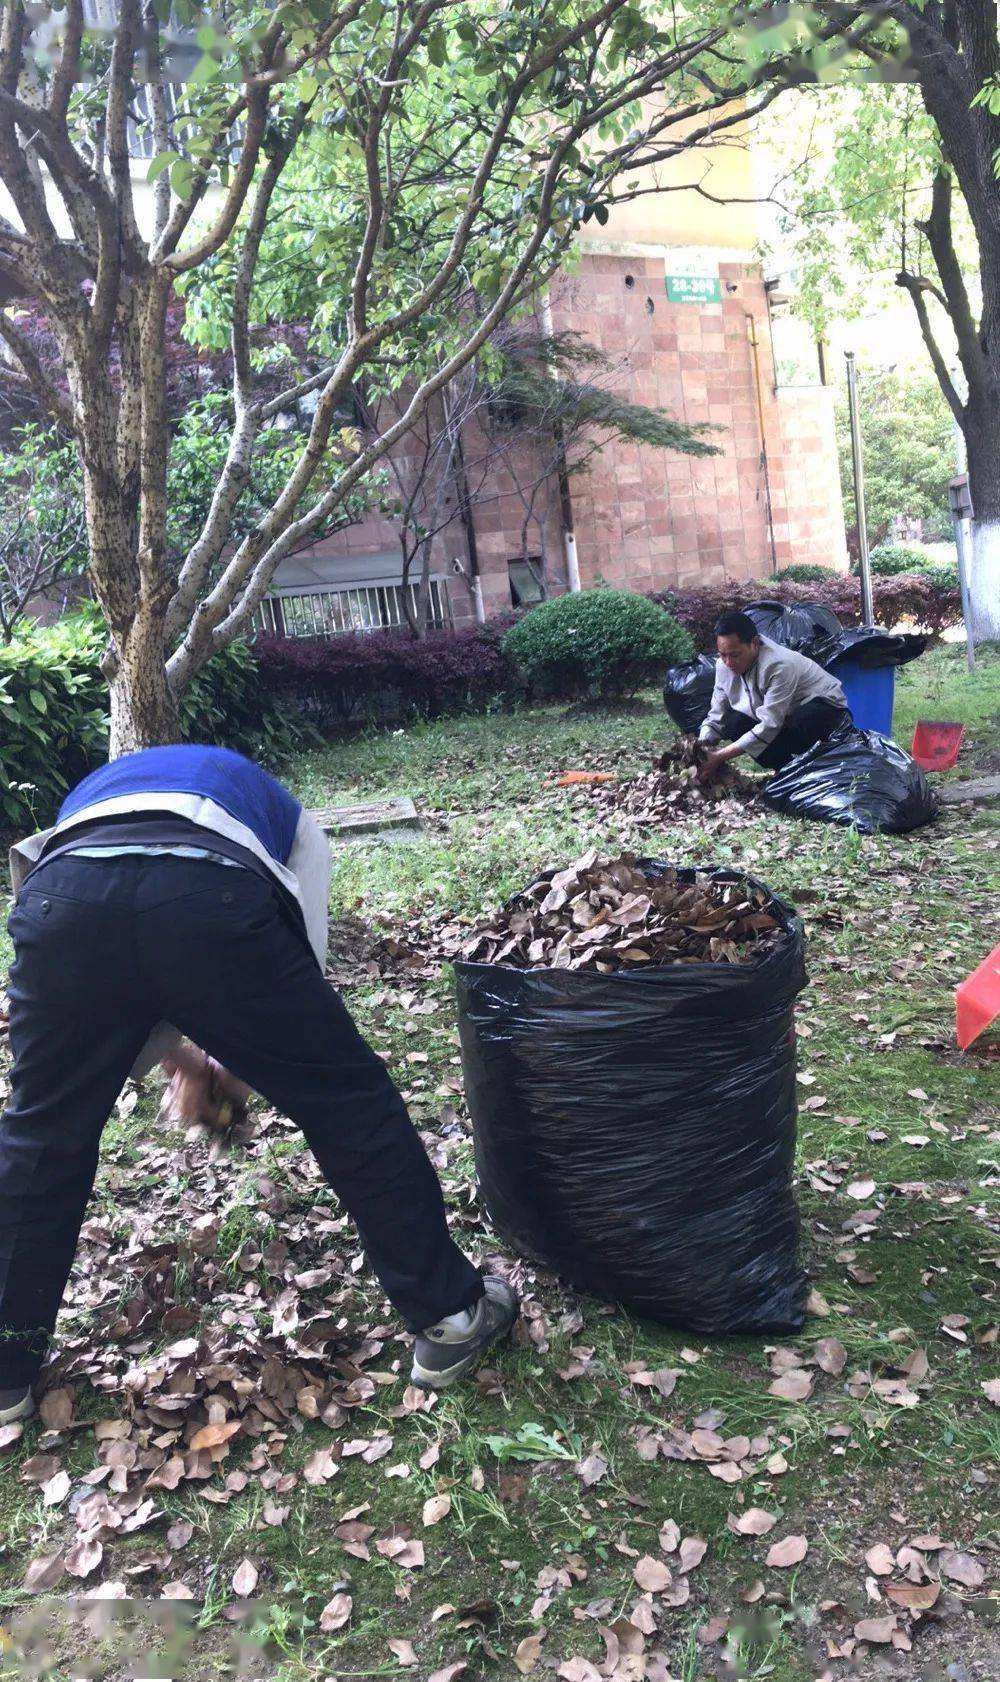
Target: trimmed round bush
(804, 572)
(601, 643)
(890, 560)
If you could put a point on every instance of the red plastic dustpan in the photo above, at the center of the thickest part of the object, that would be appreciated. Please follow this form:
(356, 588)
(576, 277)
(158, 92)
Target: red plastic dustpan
(977, 1000)
(935, 744)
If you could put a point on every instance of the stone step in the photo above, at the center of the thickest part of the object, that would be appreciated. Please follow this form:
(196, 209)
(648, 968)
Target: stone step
(371, 817)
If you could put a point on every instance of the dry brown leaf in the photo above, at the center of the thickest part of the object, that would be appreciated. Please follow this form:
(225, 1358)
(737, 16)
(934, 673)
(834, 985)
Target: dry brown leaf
(693, 1551)
(44, 1573)
(860, 1189)
(877, 1630)
(817, 1305)
(404, 1653)
(579, 1670)
(651, 1574)
(669, 1536)
(592, 1470)
(336, 1613)
(914, 1597)
(831, 1356)
(792, 1386)
(678, 1594)
(215, 1436)
(449, 1672)
(791, 1550)
(176, 1591)
(10, 1434)
(56, 1409)
(961, 1568)
(991, 1390)
(245, 1578)
(55, 1490)
(84, 1557)
(754, 1522)
(527, 1653)
(436, 1508)
(881, 1560)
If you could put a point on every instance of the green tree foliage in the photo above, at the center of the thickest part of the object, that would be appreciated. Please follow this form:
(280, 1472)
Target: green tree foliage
(909, 451)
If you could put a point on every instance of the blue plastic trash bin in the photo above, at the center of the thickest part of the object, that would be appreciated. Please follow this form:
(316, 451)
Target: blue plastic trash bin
(870, 694)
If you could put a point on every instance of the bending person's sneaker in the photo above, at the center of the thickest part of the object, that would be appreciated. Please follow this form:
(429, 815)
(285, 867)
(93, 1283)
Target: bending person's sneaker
(449, 1350)
(15, 1404)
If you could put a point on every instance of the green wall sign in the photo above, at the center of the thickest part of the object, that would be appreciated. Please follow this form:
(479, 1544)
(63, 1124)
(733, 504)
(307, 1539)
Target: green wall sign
(694, 289)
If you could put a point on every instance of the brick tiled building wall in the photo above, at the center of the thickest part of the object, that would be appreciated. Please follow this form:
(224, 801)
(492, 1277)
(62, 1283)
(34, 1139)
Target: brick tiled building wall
(646, 519)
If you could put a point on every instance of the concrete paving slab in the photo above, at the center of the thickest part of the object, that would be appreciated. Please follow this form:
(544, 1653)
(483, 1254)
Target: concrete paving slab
(372, 817)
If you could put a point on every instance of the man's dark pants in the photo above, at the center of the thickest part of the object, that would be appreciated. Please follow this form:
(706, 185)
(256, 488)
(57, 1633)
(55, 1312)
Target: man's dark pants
(813, 722)
(107, 948)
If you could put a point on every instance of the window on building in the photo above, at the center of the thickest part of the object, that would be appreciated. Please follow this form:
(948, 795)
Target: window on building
(525, 589)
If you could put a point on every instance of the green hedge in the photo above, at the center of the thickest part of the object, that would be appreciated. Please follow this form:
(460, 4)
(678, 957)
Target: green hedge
(600, 643)
(54, 714)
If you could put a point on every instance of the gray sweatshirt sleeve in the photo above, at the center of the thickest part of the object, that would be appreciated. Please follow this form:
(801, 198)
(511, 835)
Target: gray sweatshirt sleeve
(712, 725)
(309, 862)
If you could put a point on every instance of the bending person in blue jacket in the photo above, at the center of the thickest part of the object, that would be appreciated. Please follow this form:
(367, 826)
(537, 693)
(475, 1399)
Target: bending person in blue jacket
(184, 892)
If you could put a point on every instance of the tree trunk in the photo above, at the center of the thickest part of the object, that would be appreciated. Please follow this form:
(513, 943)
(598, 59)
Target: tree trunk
(144, 710)
(982, 439)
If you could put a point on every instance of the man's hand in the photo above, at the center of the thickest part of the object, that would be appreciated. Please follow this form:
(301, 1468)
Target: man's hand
(202, 1091)
(711, 765)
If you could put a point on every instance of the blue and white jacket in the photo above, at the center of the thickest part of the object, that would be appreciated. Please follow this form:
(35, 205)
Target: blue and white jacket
(221, 792)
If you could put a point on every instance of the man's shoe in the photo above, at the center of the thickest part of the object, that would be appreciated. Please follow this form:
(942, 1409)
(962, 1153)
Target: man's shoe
(16, 1404)
(446, 1352)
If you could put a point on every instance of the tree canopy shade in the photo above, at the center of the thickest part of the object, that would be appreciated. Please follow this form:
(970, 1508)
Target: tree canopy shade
(911, 175)
(453, 147)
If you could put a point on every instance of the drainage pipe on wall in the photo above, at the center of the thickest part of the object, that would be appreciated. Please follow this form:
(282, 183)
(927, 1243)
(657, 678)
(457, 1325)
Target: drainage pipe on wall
(764, 462)
(562, 475)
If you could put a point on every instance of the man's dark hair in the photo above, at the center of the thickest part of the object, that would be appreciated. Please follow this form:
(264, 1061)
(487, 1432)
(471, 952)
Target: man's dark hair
(736, 624)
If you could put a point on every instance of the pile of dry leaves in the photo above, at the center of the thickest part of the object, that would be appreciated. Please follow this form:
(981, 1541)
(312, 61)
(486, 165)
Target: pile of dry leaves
(671, 789)
(613, 914)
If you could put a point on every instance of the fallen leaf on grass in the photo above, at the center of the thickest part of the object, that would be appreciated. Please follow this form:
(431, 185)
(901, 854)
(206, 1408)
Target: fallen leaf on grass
(176, 1591)
(10, 1434)
(84, 1557)
(669, 1536)
(527, 1653)
(817, 1304)
(860, 1189)
(55, 1490)
(401, 1552)
(651, 1574)
(878, 1630)
(991, 1390)
(336, 1613)
(577, 1670)
(214, 1436)
(44, 1573)
(831, 1356)
(436, 1508)
(793, 1386)
(915, 1597)
(961, 1568)
(449, 1672)
(56, 1409)
(404, 1653)
(245, 1578)
(880, 1559)
(754, 1522)
(693, 1550)
(591, 1470)
(791, 1550)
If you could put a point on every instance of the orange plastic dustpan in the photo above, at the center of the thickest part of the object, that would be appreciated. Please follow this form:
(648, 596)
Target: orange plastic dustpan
(977, 1000)
(935, 744)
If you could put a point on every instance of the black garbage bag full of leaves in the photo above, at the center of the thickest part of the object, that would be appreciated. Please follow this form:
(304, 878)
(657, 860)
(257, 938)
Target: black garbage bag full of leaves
(635, 1131)
(687, 693)
(807, 627)
(856, 778)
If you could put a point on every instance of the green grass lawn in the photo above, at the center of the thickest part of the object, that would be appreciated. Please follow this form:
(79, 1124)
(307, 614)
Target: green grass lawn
(904, 1275)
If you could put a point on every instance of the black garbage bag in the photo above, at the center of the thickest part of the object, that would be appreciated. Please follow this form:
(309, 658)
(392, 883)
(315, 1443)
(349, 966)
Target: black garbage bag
(856, 778)
(807, 627)
(635, 1132)
(687, 693)
(869, 648)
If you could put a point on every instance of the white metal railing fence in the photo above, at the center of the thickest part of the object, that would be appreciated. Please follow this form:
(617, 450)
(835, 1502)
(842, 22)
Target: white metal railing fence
(331, 612)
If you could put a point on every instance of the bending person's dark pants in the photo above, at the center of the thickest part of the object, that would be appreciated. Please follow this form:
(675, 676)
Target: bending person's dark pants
(813, 722)
(107, 948)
